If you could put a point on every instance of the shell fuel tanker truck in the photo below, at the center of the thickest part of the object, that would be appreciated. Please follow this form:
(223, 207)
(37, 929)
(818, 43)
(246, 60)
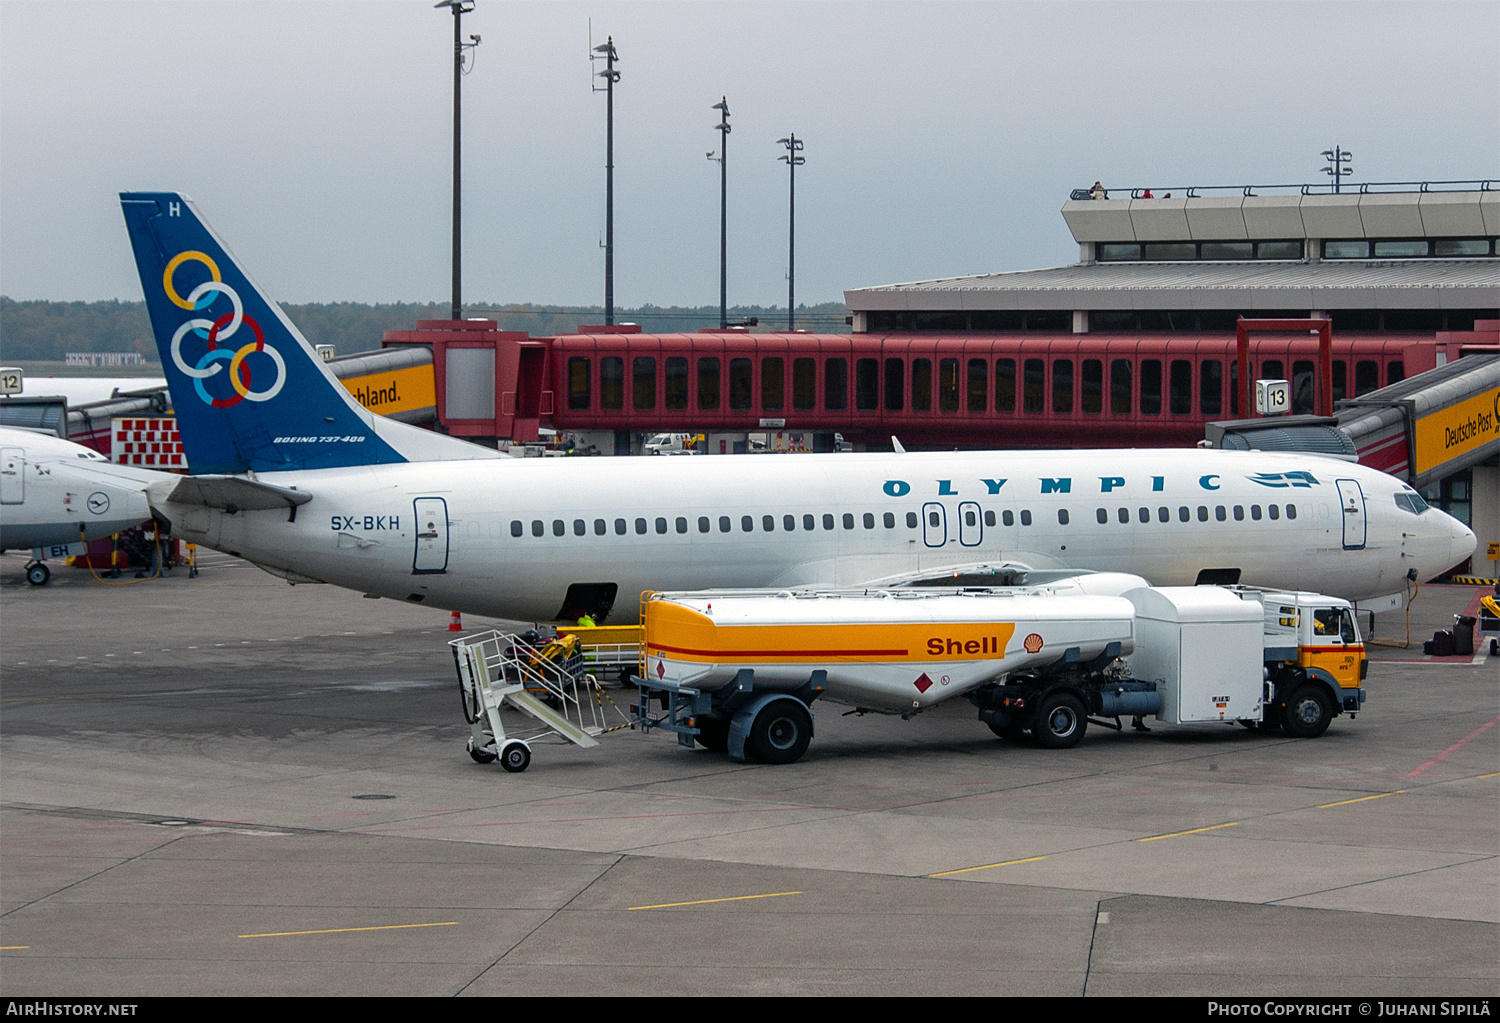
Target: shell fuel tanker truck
(739, 671)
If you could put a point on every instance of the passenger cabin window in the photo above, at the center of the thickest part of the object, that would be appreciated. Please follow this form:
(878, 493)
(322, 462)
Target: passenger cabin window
(578, 382)
(612, 383)
(708, 384)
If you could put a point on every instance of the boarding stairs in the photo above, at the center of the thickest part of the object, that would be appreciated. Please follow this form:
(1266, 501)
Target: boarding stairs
(543, 680)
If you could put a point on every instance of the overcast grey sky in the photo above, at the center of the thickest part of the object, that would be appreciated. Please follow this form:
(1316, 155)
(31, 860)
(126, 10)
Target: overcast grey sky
(942, 138)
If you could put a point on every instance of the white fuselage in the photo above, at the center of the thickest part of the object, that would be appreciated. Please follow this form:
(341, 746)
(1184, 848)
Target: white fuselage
(443, 533)
(50, 487)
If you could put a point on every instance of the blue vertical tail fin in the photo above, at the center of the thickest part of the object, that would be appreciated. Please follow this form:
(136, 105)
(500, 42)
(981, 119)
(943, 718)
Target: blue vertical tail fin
(250, 393)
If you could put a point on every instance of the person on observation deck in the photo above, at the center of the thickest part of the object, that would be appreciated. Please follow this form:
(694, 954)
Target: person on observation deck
(1098, 192)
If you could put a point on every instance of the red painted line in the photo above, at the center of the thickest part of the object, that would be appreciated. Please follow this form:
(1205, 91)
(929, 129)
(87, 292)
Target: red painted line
(1456, 746)
(322, 816)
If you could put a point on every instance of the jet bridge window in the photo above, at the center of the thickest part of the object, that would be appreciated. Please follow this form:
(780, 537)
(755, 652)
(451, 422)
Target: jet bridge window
(772, 383)
(948, 386)
(894, 385)
(1034, 379)
(921, 384)
(1210, 387)
(643, 376)
(836, 384)
(675, 391)
(1062, 386)
(708, 384)
(978, 390)
(578, 382)
(866, 384)
(1005, 385)
(1181, 396)
(1119, 387)
(1150, 387)
(739, 384)
(804, 384)
(1092, 395)
(612, 383)
(515, 527)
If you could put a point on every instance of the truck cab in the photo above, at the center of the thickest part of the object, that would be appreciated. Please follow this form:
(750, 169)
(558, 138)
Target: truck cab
(1314, 655)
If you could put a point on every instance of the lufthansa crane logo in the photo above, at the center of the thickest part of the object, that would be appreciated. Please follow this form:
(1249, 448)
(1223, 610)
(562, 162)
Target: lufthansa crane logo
(216, 331)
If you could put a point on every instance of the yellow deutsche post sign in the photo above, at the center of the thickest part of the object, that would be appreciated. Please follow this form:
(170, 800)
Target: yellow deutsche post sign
(1457, 430)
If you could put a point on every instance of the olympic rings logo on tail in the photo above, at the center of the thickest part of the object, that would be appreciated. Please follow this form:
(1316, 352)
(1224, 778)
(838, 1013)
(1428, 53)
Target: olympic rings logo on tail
(210, 363)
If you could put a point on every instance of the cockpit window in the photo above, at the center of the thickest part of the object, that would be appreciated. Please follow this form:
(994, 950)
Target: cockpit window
(1410, 500)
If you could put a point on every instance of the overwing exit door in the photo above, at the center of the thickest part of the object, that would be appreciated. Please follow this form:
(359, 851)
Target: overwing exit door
(934, 524)
(432, 535)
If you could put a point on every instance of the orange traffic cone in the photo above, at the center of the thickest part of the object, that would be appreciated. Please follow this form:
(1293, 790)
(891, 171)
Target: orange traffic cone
(455, 623)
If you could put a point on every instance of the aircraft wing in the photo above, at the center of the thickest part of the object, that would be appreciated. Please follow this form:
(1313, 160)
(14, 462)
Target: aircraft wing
(978, 573)
(234, 493)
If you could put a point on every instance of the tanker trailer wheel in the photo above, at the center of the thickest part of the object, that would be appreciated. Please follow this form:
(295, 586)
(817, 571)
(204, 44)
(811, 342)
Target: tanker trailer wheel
(1012, 732)
(780, 733)
(1060, 721)
(1306, 713)
(38, 574)
(515, 757)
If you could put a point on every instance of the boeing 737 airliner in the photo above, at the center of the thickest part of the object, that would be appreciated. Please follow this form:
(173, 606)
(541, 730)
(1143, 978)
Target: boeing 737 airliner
(292, 474)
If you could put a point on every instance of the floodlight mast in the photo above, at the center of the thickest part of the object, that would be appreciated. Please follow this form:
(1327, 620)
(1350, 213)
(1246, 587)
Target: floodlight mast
(723, 129)
(793, 147)
(459, 8)
(610, 76)
(1338, 165)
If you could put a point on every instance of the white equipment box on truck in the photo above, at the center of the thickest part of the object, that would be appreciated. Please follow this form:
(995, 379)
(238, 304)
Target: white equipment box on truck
(1202, 646)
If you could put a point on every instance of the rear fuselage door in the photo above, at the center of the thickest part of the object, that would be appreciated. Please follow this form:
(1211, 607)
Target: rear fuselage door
(1353, 501)
(432, 535)
(12, 475)
(934, 524)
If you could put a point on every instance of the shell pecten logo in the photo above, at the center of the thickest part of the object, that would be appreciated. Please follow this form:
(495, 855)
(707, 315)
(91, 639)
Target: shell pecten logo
(1033, 643)
(213, 331)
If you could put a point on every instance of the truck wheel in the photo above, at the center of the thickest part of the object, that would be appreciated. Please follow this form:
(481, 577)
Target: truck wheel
(1012, 732)
(38, 574)
(713, 734)
(1306, 713)
(780, 733)
(1060, 722)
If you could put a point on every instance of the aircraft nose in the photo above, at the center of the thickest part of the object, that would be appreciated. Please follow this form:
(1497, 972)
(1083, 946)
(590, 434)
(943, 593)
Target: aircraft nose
(1464, 542)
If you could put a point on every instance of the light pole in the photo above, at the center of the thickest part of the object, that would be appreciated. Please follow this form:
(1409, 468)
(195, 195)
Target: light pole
(1338, 165)
(723, 129)
(610, 76)
(460, 8)
(793, 147)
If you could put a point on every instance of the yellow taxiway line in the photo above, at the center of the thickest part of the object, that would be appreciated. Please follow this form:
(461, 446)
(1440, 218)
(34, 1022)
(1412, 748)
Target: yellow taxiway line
(1361, 799)
(1194, 831)
(346, 930)
(987, 866)
(704, 902)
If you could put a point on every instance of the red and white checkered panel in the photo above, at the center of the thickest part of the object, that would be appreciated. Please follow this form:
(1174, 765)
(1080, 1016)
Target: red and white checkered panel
(154, 443)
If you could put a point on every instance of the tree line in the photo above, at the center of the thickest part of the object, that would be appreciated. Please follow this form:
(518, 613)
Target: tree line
(46, 331)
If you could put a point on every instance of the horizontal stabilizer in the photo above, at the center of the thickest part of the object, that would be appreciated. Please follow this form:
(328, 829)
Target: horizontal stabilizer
(235, 493)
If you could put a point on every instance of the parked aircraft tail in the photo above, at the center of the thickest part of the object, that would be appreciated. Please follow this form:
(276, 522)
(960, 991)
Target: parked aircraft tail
(249, 392)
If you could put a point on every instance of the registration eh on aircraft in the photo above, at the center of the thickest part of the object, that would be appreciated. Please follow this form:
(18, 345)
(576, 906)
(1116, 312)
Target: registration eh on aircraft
(289, 472)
